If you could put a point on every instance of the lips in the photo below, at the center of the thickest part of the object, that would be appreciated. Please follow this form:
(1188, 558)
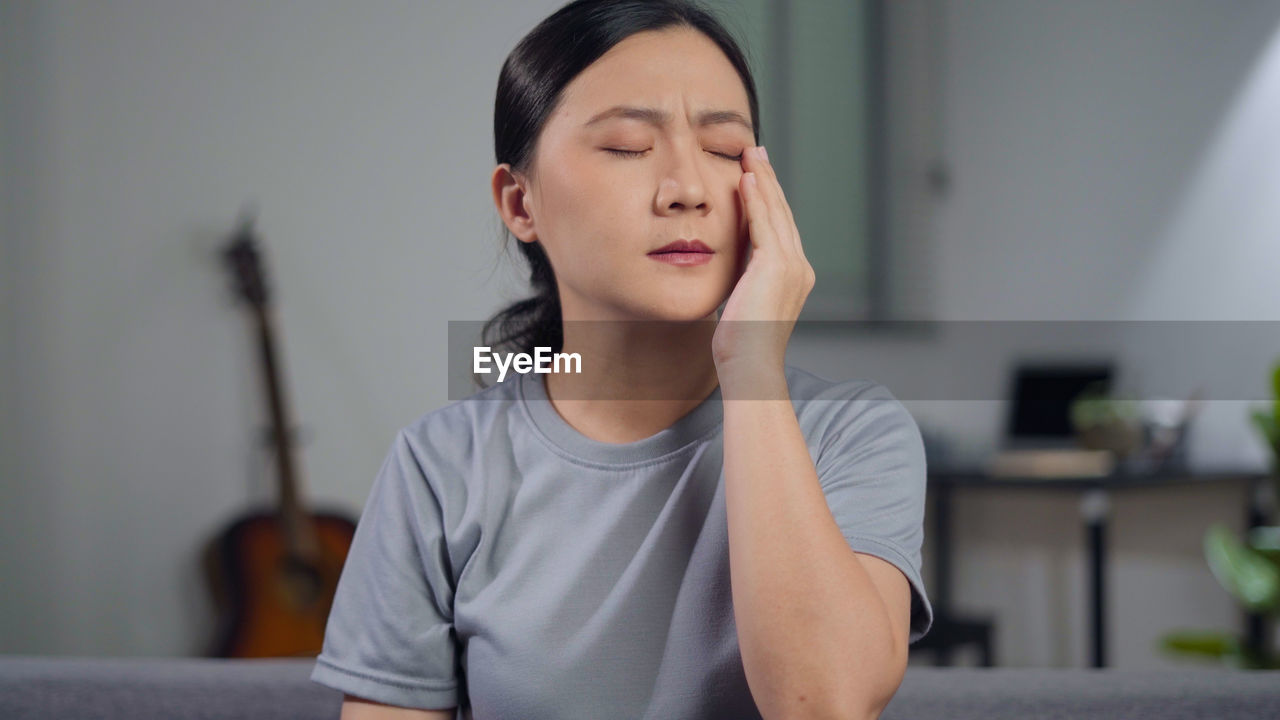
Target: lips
(683, 253)
(683, 246)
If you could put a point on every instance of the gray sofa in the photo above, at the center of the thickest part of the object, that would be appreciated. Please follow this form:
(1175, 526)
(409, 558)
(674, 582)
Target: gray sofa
(203, 689)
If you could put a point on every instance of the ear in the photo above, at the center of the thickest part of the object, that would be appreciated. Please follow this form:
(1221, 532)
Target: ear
(510, 198)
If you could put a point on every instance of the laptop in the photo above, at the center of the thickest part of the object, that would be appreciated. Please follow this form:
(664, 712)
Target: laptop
(1039, 439)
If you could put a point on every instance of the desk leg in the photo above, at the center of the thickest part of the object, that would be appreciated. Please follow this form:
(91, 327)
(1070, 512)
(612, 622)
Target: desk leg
(1261, 507)
(942, 566)
(1095, 506)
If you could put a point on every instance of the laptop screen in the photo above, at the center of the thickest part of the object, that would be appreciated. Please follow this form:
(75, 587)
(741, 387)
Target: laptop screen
(1040, 409)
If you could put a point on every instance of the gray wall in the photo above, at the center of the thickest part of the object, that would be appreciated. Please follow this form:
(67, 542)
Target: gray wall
(1110, 161)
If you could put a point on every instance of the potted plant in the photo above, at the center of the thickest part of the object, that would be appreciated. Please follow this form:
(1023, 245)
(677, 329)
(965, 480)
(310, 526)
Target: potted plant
(1249, 571)
(1105, 423)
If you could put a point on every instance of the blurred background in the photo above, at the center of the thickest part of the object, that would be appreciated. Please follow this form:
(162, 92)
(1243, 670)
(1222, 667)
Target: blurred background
(951, 164)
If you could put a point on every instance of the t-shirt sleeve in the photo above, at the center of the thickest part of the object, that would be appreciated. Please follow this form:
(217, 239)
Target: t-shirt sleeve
(871, 465)
(390, 635)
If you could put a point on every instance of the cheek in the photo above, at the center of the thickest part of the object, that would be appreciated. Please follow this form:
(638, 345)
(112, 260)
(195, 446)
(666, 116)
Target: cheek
(589, 237)
(571, 209)
(586, 193)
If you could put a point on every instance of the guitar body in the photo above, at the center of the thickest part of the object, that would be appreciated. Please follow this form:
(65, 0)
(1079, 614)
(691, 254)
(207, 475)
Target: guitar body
(272, 603)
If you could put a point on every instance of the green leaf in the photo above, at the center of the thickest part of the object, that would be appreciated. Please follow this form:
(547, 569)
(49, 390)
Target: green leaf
(1207, 643)
(1266, 424)
(1244, 573)
(1275, 390)
(1221, 646)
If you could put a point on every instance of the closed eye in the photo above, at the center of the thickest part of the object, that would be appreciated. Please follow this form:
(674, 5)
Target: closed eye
(626, 153)
(639, 153)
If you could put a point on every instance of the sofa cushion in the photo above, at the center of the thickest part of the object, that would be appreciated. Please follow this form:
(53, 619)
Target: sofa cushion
(174, 688)
(70, 688)
(1184, 693)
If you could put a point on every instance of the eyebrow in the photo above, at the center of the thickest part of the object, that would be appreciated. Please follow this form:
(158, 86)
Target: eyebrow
(655, 116)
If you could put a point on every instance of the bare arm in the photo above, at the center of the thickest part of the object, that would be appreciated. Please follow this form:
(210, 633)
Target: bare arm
(354, 708)
(823, 632)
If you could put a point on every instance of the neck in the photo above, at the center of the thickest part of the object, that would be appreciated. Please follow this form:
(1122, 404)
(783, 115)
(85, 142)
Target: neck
(638, 377)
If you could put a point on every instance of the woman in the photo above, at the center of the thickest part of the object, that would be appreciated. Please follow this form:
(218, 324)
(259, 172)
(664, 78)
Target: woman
(568, 546)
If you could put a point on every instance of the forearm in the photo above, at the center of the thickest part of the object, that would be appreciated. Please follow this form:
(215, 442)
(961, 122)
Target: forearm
(814, 633)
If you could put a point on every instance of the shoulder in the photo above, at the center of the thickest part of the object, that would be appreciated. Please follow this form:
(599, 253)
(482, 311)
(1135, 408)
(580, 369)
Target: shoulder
(858, 412)
(462, 423)
(821, 400)
(807, 386)
(446, 443)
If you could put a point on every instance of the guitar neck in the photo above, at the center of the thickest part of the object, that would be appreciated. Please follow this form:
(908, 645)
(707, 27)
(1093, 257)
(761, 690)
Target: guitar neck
(241, 255)
(290, 505)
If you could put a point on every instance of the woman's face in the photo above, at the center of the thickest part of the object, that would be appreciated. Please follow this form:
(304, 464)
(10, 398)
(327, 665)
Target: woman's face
(608, 188)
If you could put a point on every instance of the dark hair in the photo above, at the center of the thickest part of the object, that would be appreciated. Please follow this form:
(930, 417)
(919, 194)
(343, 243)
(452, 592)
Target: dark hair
(529, 88)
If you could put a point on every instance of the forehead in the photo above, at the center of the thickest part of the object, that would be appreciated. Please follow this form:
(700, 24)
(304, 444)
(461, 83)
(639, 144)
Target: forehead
(679, 70)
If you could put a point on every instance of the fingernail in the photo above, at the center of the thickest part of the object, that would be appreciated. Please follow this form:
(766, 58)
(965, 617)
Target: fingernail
(764, 153)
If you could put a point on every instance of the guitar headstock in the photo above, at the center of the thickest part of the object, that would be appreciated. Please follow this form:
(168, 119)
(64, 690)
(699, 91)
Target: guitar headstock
(242, 256)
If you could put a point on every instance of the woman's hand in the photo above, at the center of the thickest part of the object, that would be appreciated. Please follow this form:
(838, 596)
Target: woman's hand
(771, 291)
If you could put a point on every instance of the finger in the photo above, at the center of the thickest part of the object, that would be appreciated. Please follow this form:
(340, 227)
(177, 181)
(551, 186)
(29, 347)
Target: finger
(770, 186)
(759, 214)
(767, 187)
(772, 189)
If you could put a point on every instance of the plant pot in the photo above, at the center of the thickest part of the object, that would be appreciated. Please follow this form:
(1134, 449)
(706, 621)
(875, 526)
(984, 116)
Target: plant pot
(1119, 436)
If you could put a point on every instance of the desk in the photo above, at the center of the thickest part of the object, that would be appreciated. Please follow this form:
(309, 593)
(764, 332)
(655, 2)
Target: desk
(1094, 509)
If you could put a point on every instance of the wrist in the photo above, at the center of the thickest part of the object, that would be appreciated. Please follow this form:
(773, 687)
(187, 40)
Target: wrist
(752, 380)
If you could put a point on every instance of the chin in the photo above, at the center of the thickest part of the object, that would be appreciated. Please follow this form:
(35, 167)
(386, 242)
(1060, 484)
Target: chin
(671, 302)
(668, 311)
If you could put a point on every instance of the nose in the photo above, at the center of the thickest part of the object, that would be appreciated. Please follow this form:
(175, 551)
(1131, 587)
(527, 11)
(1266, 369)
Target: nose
(682, 187)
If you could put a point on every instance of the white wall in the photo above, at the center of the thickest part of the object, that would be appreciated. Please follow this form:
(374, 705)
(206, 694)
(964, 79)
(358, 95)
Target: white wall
(1097, 150)
(1113, 162)
(364, 135)
(1108, 162)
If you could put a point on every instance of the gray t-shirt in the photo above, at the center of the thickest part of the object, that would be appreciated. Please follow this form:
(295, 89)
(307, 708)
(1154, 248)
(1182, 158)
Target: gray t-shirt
(508, 565)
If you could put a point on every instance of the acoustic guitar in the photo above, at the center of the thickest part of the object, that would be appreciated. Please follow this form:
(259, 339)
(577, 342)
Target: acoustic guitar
(272, 571)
